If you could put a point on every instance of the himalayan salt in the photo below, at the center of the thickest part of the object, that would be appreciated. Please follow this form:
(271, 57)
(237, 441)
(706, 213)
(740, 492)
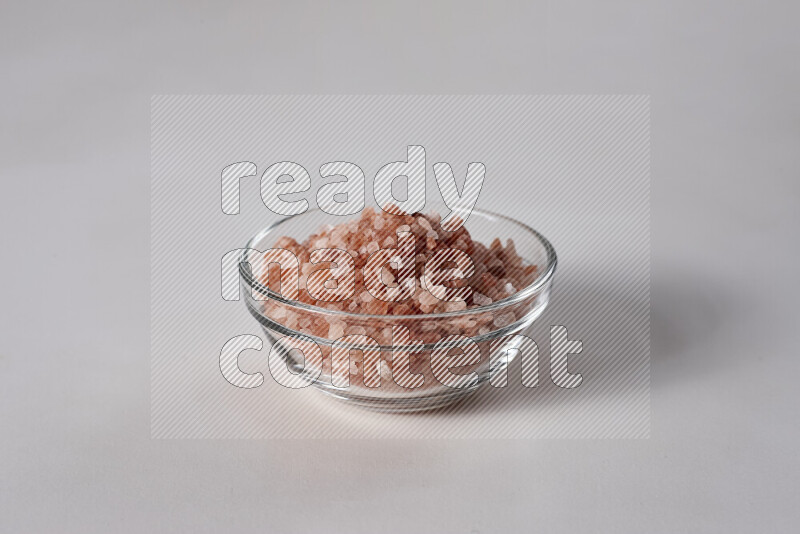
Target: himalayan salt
(457, 305)
(356, 330)
(427, 299)
(480, 299)
(499, 272)
(504, 319)
(336, 329)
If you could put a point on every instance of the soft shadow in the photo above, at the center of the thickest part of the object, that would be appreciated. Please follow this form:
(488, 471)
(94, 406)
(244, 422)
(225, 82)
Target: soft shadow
(620, 339)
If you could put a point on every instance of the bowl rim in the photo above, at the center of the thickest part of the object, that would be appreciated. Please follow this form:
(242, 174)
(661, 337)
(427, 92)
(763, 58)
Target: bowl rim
(527, 291)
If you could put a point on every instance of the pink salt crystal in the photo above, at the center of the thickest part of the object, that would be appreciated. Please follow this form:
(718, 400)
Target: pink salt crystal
(386, 371)
(335, 330)
(503, 319)
(480, 299)
(387, 334)
(499, 271)
(387, 276)
(427, 299)
(510, 250)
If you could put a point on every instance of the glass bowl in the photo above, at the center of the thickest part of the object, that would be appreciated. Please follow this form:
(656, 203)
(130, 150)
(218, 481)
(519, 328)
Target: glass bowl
(439, 358)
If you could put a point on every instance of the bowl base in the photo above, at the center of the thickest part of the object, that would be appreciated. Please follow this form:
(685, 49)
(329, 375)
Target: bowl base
(400, 405)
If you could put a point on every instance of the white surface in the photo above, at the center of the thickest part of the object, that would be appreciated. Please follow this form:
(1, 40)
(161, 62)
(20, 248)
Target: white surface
(74, 365)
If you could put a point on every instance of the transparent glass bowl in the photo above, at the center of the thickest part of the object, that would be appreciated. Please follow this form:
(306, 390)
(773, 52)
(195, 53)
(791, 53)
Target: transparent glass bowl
(491, 327)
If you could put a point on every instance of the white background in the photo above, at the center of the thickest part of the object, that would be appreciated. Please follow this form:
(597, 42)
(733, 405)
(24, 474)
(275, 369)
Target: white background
(75, 452)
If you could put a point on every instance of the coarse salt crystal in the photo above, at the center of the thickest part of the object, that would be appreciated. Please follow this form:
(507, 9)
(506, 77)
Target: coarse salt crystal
(504, 319)
(336, 330)
(499, 272)
(480, 299)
